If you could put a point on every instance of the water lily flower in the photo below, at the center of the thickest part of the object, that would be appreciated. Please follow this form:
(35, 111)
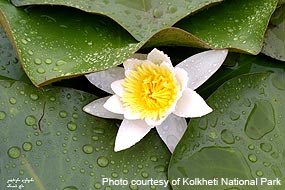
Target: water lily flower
(152, 93)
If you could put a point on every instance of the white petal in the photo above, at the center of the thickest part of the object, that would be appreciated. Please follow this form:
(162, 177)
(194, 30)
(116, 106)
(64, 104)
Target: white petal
(171, 131)
(191, 104)
(114, 104)
(157, 57)
(154, 123)
(96, 108)
(131, 64)
(182, 77)
(202, 66)
(117, 87)
(103, 79)
(130, 132)
(130, 115)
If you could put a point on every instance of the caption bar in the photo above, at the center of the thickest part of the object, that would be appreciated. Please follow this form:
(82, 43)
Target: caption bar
(193, 182)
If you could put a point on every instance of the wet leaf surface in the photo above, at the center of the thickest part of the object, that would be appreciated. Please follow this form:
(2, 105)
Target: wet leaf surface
(142, 18)
(51, 47)
(237, 24)
(9, 64)
(242, 138)
(46, 136)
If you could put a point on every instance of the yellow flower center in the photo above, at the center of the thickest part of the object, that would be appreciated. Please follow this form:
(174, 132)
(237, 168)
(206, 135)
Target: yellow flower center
(150, 90)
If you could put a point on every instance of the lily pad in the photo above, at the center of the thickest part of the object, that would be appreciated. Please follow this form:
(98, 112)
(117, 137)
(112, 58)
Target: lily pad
(237, 24)
(242, 138)
(52, 47)
(46, 137)
(142, 18)
(274, 42)
(9, 64)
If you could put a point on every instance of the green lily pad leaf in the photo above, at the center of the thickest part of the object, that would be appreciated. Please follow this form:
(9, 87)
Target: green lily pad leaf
(175, 37)
(242, 139)
(45, 136)
(274, 42)
(142, 18)
(233, 24)
(52, 47)
(9, 64)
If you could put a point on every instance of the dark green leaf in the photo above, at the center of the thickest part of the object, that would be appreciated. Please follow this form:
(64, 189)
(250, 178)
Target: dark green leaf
(55, 42)
(237, 24)
(9, 64)
(46, 136)
(142, 18)
(242, 138)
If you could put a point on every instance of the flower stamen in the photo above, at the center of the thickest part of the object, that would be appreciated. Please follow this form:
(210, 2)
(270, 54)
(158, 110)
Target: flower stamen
(150, 90)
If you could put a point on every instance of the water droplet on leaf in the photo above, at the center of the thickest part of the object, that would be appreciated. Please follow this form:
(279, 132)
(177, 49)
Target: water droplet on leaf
(27, 146)
(102, 161)
(88, 149)
(261, 120)
(14, 152)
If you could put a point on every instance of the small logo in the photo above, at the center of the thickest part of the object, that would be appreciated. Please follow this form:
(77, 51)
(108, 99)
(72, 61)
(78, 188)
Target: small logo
(18, 183)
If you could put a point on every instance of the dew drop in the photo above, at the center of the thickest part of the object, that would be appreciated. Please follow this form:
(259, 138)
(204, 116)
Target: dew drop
(88, 149)
(27, 146)
(234, 116)
(37, 61)
(34, 96)
(266, 147)
(2, 115)
(21, 172)
(260, 121)
(259, 173)
(75, 115)
(125, 171)
(102, 161)
(252, 158)
(133, 187)
(14, 152)
(160, 168)
(30, 52)
(41, 70)
(63, 114)
(48, 61)
(153, 158)
(94, 138)
(13, 100)
(276, 171)
(97, 185)
(24, 41)
(115, 175)
(60, 62)
(30, 120)
(39, 143)
(251, 147)
(70, 188)
(144, 174)
(52, 99)
(71, 126)
(157, 13)
(227, 136)
(98, 131)
(172, 9)
(274, 155)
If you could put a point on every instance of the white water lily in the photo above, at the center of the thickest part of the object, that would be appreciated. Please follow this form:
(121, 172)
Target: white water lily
(152, 93)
